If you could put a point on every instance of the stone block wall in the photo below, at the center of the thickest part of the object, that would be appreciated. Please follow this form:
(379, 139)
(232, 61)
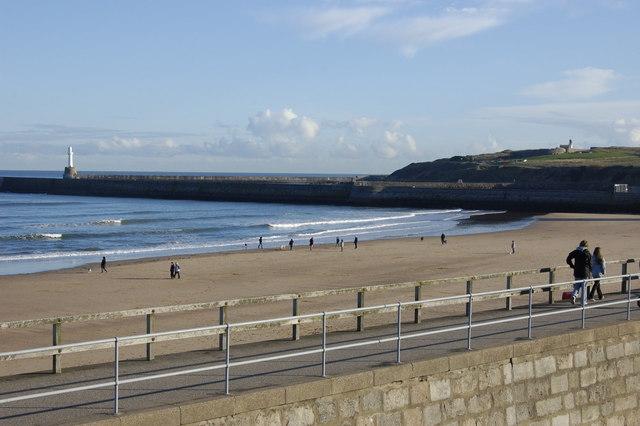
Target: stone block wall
(582, 377)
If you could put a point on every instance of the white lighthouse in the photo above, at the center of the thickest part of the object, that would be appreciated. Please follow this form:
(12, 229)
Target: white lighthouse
(70, 171)
(70, 157)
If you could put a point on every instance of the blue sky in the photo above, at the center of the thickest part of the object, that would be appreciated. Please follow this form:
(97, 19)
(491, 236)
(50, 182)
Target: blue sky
(361, 86)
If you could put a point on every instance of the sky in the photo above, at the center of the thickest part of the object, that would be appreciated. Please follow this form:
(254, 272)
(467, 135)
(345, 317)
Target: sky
(310, 87)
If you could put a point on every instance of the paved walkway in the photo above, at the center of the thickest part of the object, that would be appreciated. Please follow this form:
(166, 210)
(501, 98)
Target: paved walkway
(78, 407)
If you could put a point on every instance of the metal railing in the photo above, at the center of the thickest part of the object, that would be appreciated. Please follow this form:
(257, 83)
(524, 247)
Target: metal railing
(223, 306)
(324, 348)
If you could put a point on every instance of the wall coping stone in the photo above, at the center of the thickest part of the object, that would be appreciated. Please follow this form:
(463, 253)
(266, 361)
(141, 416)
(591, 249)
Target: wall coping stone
(309, 389)
(168, 416)
(431, 366)
(390, 374)
(351, 382)
(207, 409)
(258, 399)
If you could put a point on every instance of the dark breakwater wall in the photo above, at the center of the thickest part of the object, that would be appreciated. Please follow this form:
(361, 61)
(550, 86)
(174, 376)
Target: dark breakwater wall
(340, 191)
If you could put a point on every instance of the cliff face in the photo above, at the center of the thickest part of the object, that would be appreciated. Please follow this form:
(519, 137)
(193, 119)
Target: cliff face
(597, 166)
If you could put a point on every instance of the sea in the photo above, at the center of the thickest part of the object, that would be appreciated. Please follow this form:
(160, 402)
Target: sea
(42, 232)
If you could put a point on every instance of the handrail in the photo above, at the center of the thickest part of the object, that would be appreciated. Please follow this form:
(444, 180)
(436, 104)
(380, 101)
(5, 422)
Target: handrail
(273, 298)
(222, 305)
(399, 306)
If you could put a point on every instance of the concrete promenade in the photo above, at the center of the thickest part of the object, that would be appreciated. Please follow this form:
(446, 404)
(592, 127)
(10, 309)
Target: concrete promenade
(87, 406)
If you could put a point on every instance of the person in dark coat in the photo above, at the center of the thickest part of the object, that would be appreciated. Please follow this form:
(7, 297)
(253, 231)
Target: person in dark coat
(580, 261)
(103, 265)
(598, 269)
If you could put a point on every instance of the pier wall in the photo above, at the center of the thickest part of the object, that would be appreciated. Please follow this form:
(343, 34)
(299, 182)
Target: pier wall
(585, 376)
(340, 191)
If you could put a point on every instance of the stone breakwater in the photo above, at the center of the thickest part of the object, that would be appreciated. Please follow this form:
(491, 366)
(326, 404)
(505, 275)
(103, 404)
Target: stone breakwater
(340, 191)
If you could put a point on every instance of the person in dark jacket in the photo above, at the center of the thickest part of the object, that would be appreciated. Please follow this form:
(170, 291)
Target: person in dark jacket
(598, 269)
(580, 261)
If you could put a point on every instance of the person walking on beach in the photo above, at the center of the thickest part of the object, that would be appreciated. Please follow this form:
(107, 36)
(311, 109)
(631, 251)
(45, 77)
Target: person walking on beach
(103, 265)
(443, 239)
(337, 241)
(355, 242)
(176, 271)
(341, 245)
(260, 242)
(310, 243)
(580, 261)
(291, 244)
(172, 270)
(598, 269)
(513, 246)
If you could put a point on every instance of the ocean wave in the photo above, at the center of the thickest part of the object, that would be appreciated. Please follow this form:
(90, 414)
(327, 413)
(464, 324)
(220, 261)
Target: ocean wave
(36, 236)
(363, 229)
(107, 222)
(91, 253)
(367, 220)
(145, 220)
(37, 203)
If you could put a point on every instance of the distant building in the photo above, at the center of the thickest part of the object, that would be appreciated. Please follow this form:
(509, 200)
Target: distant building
(568, 147)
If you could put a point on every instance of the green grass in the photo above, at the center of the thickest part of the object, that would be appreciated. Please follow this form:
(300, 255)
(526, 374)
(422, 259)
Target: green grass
(587, 155)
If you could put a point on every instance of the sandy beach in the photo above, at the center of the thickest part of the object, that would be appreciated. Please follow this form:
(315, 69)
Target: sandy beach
(270, 271)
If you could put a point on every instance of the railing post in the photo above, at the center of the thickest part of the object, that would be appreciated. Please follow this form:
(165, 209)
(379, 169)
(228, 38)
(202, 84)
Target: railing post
(324, 344)
(399, 333)
(227, 359)
(417, 313)
(469, 291)
(151, 320)
(509, 302)
(470, 321)
(116, 376)
(295, 328)
(530, 312)
(222, 314)
(57, 340)
(625, 280)
(360, 317)
(552, 279)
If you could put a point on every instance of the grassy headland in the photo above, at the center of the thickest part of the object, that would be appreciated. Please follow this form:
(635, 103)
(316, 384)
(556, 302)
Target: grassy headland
(597, 165)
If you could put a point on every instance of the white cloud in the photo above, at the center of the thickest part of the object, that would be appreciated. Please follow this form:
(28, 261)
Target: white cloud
(318, 23)
(599, 121)
(170, 143)
(360, 125)
(414, 34)
(409, 26)
(236, 147)
(117, 144)
(344, 149)
(394, 144)
(284, 125)
(628, 129)
(490, 145)
(581, 83)
(284, 132)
